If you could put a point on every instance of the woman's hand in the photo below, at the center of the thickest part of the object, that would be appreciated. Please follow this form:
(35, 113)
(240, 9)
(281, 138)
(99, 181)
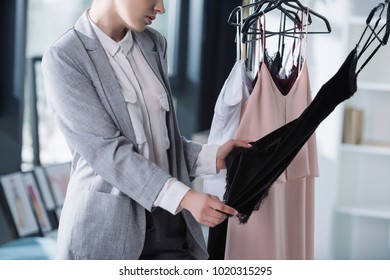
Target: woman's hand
(225, 149)
(207, 209)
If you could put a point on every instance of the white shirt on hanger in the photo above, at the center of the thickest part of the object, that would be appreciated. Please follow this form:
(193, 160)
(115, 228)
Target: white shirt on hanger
(227, 111)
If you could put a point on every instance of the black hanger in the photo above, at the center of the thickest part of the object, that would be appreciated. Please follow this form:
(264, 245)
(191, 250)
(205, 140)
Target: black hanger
(292, 15)
(247, 26)
(299, 6)
(234, 17)
(375, 35)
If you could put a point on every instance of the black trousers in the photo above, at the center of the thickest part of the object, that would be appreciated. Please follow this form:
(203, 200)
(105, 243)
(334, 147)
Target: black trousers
(165, 237)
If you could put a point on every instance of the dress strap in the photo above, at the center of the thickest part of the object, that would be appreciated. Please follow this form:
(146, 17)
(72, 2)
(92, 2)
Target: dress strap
(262, 40)
(303, 38)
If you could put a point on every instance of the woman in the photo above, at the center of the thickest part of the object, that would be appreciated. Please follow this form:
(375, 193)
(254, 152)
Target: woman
(128, 197)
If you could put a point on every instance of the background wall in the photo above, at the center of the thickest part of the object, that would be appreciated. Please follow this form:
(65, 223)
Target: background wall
(210, 57)
(12, 50)
(12, 53)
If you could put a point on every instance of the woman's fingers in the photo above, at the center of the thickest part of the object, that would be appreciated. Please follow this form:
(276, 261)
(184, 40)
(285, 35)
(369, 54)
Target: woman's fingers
(206, 209)
(223, 208)
(225, 149)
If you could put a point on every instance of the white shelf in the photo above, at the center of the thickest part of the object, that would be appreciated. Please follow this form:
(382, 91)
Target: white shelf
(369, 211)
(366, 149)
(373, 86)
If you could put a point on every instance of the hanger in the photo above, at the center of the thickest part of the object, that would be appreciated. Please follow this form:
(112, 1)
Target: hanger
(299, 6)
(375, 35)
(248, 23)
(234, 17)
(288, 13)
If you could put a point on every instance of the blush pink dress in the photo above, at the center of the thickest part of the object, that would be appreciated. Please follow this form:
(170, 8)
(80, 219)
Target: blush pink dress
(283, 227)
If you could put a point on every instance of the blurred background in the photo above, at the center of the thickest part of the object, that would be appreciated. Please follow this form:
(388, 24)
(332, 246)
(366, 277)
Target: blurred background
(352, 192)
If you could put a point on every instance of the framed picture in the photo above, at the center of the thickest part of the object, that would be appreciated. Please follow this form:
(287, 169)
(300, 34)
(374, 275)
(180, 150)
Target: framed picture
(37, 202)
(58, 176)
(19, 204)
(44, 187)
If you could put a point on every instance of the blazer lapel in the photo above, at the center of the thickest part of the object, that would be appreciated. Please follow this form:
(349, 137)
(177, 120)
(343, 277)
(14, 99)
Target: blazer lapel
(155, 58)
(152, 55)
(111, 96)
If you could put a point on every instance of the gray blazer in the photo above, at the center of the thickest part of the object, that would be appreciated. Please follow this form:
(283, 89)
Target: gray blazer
(111, 184)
